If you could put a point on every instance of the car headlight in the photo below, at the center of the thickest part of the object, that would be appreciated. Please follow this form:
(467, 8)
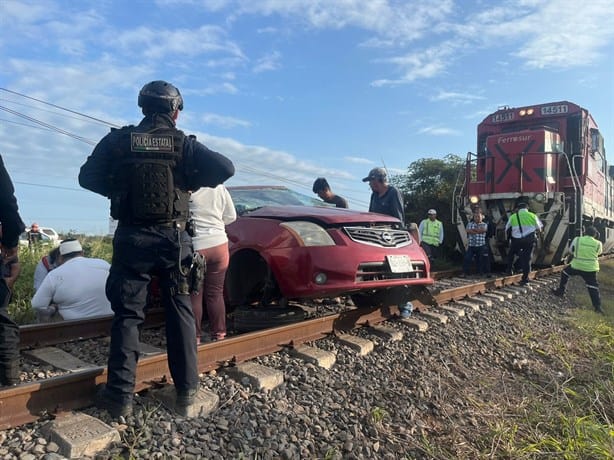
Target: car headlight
(308, 233)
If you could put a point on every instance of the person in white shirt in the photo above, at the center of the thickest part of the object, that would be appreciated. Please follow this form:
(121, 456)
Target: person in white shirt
(75, 289)
(211, 210)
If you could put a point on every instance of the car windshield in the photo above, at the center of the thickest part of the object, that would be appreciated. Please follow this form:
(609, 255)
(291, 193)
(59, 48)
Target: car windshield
(249, 199)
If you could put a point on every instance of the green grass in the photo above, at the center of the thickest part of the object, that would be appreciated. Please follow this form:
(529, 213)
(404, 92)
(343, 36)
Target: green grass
(571, 418)
(20, 307)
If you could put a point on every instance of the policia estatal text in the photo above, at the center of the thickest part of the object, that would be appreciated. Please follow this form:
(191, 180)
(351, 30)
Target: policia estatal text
(146, 172)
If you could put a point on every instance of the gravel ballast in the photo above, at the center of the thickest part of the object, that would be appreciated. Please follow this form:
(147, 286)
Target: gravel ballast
(388, 404)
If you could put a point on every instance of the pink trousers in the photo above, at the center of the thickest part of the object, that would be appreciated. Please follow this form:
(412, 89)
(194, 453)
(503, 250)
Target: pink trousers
(211, 292)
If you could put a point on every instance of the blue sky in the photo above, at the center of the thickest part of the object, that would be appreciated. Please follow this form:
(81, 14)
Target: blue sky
(288, 89)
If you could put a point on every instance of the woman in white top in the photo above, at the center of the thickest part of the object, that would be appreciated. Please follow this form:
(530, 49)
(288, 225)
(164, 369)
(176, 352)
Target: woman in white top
(211, 210)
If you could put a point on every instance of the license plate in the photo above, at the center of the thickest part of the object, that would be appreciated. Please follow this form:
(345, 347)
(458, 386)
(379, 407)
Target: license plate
(399, 264)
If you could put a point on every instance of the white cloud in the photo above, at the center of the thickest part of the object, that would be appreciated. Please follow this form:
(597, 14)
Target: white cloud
(554, 34)
(268, 62)
(224, 121)
(177, 42)
(358, 160)
(439, 131)
(416, 65)
(456, 97)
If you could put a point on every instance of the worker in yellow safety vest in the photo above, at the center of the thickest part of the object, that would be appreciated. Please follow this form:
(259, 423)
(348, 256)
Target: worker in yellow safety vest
(431, 235)
(522, 228)
(585, 251)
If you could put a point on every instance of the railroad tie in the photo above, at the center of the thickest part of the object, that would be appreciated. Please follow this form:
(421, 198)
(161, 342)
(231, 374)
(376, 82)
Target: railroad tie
(453, 311)
(486, 302)
(80, 435)
(496, 296)
(259, 376)
(416, 324)
(58, 358)
(442, 319)
(317, 356)
(358, 344)
(386, 332)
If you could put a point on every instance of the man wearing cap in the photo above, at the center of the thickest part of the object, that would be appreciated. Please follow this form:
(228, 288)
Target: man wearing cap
(75, 289)
(522, 226)
(585, 263)
(431, 234)
(385, 199)
(322, 189)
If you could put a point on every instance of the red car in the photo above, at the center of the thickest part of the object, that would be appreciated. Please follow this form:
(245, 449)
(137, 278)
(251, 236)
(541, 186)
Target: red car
(286, 246)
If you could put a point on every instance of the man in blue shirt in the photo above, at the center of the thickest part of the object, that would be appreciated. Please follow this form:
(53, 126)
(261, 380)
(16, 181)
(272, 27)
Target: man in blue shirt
(385, 198)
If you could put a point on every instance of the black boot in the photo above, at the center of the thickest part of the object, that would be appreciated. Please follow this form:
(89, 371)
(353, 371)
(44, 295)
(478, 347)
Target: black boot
(9, 373)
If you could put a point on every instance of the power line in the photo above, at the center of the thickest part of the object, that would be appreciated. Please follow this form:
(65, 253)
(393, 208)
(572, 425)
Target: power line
(25, 124)
(44, 125)
(47, 125)
(61, 108)
(32, 184)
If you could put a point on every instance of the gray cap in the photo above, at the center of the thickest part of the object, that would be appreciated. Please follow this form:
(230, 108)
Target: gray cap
(376, 174)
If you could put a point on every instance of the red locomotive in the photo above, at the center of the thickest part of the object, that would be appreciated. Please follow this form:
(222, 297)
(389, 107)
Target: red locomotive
(553, 155)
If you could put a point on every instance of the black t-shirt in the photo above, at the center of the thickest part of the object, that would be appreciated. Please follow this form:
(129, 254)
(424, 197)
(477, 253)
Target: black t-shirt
(390, 203)
(338, 201)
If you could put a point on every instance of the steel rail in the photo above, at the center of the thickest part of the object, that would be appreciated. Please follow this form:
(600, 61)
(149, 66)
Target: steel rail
(44, 334)
(28, 402)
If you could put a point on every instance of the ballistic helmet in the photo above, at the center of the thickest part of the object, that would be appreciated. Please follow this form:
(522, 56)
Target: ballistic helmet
(160, 97)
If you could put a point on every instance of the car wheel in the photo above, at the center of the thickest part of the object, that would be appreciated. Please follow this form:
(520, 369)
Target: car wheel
(247, 318)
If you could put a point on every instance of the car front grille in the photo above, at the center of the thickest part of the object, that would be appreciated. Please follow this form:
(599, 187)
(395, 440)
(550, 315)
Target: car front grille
(380, 271)
(378, 236)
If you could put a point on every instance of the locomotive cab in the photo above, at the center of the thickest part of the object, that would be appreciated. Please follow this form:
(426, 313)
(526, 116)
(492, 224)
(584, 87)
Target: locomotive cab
(553, 156)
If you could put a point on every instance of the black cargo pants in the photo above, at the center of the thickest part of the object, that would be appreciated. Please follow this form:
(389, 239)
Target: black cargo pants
(139, 253)
(9, 340)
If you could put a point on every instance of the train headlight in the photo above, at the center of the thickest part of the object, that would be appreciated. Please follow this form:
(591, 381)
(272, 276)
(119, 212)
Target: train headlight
(522, 113)
(540, 197)
(529, 111)
(474, 199)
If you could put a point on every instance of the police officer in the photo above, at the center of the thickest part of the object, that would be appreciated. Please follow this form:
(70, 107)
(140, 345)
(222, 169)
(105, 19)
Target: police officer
(585, 251)
(12, 226)
(523, 225)
(146, 172)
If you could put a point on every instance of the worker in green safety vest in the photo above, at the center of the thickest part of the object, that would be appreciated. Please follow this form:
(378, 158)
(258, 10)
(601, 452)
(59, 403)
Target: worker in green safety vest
(431, 235)
(522, 227)
(585, 251)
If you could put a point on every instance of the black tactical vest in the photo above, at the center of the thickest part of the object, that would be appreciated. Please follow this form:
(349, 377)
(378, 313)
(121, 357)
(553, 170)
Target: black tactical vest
(148, 182)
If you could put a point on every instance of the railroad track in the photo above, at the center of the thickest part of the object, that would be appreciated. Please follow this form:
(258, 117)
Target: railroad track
(28, 402)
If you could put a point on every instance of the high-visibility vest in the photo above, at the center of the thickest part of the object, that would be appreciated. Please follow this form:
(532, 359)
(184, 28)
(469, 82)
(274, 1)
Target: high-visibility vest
(431, 230)
(586, 249)
(527, 221)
